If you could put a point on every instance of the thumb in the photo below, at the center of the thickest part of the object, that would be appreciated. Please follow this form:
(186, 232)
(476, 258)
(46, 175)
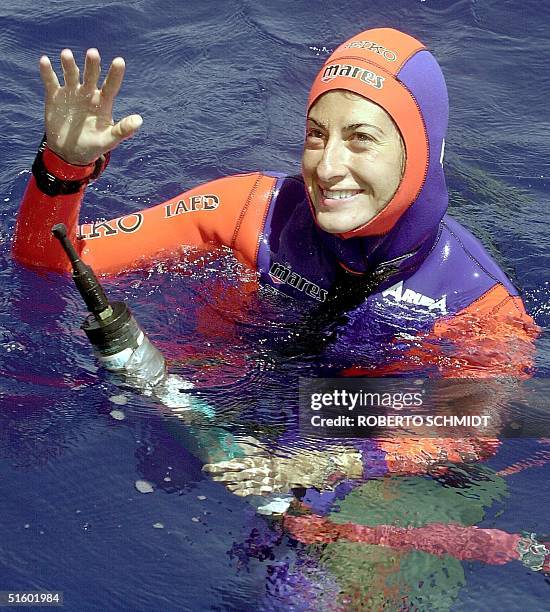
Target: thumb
(126, 127)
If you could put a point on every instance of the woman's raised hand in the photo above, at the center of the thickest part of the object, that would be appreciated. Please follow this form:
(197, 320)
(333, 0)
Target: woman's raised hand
(79, 116)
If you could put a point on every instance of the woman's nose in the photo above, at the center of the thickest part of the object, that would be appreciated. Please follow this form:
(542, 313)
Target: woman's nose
(332, 164)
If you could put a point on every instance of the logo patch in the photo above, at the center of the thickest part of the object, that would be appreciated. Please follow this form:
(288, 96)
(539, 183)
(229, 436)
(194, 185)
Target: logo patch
(283, 275)
(194, 203)
(387, 54)
(127, 225)
(412, 297)
(352, 72)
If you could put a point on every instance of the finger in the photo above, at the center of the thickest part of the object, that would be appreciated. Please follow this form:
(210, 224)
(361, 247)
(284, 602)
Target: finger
(244, 492)
(113, 80)
(92, 69)
(223, 478)
(125, 128)
(71, 73)
(230, 475)
(232, 465)
(253, 476)
(215, 469)
(48, 76)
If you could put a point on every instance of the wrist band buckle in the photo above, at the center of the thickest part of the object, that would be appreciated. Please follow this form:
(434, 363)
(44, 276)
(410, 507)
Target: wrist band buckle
(52, 185)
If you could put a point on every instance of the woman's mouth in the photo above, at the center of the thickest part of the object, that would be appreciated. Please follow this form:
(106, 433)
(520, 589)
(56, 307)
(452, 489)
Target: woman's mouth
(336, 197)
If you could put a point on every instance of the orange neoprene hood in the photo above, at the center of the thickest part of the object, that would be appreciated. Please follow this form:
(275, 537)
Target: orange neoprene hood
(369, 64)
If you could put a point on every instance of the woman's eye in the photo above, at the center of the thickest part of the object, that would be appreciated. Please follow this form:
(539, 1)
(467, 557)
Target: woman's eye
(313, 133)
(362, 137)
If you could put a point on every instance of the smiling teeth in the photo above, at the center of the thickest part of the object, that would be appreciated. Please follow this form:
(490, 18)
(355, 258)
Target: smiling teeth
(341, 194)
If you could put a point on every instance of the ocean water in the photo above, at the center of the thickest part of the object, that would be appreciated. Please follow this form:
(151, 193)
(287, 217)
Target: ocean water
(222, 87)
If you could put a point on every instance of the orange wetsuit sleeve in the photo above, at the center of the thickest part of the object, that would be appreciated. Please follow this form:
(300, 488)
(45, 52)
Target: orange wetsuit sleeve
(410, 456)
(494, 336)
(226, 212)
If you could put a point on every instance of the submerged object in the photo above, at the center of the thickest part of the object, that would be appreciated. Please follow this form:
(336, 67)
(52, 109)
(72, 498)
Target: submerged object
(123, 348)
(492, 546)
(119, 343)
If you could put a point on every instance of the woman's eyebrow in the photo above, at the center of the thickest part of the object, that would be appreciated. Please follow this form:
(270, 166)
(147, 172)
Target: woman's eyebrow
(354, 126)
(351, 126)
(318, 123)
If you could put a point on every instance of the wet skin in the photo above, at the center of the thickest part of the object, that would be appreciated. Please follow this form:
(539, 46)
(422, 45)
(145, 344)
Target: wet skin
(352, 162)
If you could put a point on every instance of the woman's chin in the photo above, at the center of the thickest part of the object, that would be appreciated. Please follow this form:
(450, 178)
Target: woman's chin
(331, 224)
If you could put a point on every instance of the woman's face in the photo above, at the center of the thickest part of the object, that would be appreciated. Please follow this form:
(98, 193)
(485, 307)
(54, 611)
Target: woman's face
(353, 160)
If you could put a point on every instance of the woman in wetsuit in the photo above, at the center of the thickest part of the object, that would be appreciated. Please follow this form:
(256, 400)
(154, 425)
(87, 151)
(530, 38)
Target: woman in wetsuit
(370, 205)
(369, 211)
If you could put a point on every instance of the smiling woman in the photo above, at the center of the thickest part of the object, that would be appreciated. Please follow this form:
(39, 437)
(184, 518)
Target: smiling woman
(365, 228)
(353, 160)
(368, 216)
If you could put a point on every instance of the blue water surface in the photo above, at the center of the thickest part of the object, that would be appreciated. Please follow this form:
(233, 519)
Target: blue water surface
(222, 87)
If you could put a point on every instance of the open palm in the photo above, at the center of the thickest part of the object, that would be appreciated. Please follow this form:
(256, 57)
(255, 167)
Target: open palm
(79, 116)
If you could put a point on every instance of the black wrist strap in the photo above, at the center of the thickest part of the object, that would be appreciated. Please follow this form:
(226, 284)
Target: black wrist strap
(53, 186)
